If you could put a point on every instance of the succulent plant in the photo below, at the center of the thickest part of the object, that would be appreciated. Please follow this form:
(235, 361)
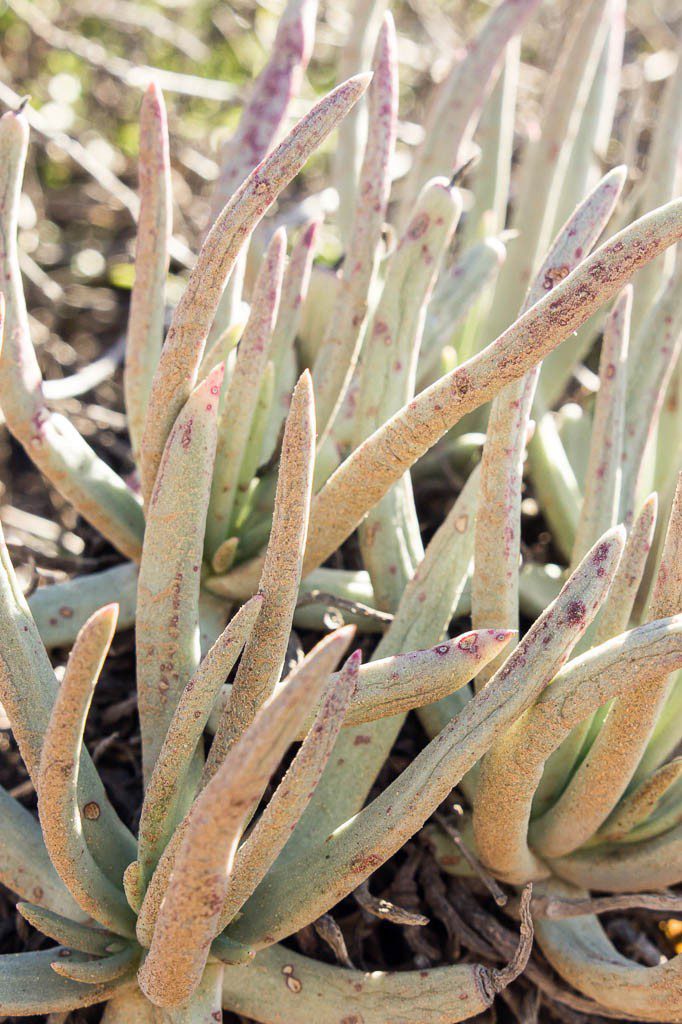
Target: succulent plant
(251, 474)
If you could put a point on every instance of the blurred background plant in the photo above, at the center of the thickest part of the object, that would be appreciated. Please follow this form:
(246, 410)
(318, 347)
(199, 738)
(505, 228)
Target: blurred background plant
(84, 65)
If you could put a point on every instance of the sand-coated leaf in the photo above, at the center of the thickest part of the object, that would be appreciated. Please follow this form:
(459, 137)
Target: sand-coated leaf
(511, 772)
(602, 778)
(325, 871)
(338, 354)
(354, 55)
(580, 950)
(458, 287)
(167, 625)
(613, 618)
(282, 352)
(29, 986)
(154, 230)
(601, 493)
(420, 621)
(494, 593)
(28, 688)
(390, 540)
(61, 816)
(398, 683)
(265, 111)
(260, 849)
(184, 344)
(52, 443)
(261, 665)
(550, 639)
(639, 805)
(283, 984)
(366, 475)
(25, 866)
(240, 394)
(657, 348)
(103, 969)
(311, 673)
(67, 932)
(546, 157)
(163, 793)
(590, 144)
(458, 101)
(189, 915)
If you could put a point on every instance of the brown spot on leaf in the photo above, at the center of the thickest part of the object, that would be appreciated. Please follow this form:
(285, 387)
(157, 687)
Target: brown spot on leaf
(186, 438)
(575, 613)
(420, 226)
(468, 642)
(292, 983)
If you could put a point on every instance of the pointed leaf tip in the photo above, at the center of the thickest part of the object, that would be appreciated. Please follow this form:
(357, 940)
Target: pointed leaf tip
(362, 80)
(214, 379)
(355, 658)
(153, 91)
(107, 613)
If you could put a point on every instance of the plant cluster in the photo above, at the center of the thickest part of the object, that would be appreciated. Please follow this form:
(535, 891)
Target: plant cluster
(262, 441)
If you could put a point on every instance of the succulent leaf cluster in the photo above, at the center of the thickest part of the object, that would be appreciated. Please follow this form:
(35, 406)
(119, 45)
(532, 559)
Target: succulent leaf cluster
(264, 435)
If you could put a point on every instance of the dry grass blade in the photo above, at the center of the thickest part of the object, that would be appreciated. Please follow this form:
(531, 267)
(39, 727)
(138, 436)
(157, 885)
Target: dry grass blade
(558, 907)
(518, 962)
(385, 910)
